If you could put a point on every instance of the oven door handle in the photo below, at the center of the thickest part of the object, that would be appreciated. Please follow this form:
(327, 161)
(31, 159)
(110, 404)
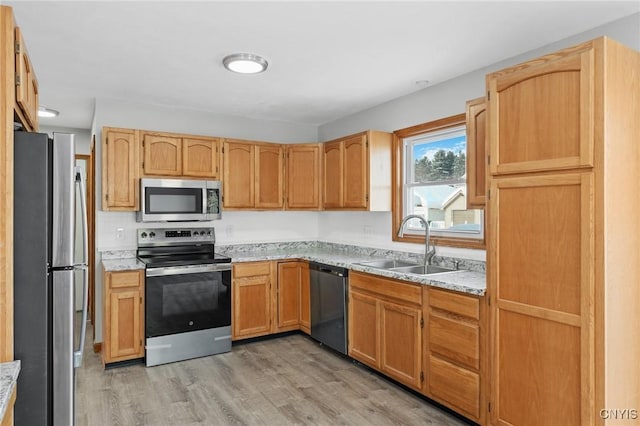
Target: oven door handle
(181, 270)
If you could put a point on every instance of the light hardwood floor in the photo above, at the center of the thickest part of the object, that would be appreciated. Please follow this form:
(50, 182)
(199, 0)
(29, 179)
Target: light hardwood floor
(282, 381)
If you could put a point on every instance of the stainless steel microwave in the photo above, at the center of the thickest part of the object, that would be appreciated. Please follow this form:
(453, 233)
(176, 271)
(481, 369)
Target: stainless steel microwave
(179, 200)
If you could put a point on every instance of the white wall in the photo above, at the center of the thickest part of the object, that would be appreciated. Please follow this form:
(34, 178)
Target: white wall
(432, 103)
(83, 137)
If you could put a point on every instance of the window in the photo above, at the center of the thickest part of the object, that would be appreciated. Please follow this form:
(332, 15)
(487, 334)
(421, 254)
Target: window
(431, 181)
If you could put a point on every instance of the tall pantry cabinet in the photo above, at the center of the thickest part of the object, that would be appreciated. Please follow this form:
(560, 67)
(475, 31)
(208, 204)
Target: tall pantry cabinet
(564, 251)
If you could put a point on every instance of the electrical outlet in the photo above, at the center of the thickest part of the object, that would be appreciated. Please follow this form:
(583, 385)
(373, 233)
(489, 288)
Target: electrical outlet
(229, 230)
(119, 233)
(367, 229)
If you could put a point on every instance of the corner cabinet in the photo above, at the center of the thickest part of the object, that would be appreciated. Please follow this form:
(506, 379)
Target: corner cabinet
(26, 85)
(476, 153)
(253, 175)
(120, 170)
(357, 172)
(123, 316)
(385, 326)
(563, 130)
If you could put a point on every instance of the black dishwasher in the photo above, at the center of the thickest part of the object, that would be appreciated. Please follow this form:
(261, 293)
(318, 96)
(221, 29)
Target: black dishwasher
(329, 292)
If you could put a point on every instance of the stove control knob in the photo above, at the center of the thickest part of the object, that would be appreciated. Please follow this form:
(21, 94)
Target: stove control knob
(195, 233)
(143, 235)
(152, 234)
(209, 233)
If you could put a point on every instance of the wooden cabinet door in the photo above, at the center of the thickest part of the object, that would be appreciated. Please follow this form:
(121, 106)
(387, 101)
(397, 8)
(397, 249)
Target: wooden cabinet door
(269, 184)
(476, 153)
(26, 83)
(251, 297)
(401, 343)
(542, 114)
(289, 277)
(333, 175)
(542, 286)
(123, 315)
(364, 325)
(162, 155)
(303, 177)
(239, 174)
(120, 182)
(356, 173)
(200, 157)
(305, 298)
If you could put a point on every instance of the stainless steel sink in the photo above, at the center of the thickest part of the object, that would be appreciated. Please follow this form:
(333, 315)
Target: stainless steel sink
(420, 269)
(387, 263)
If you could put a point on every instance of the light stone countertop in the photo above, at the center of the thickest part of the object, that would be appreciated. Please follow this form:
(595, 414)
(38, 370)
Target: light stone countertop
(470, 282)
(8, 377)
(127, 264)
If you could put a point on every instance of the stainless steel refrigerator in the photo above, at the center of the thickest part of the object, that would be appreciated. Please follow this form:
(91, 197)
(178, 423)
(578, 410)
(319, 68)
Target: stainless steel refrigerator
(45, 186)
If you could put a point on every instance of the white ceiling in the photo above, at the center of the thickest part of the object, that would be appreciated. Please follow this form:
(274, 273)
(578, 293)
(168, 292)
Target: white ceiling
(326, 59)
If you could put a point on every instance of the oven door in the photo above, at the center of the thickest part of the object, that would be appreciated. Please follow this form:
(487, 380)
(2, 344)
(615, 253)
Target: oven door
(187, 298)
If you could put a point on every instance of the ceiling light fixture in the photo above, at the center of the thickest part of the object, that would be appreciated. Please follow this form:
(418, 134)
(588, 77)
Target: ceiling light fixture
(47, 112)
(245, 63)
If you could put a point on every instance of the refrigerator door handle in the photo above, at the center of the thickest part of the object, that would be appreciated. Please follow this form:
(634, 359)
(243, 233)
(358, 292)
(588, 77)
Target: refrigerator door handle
(77, 354)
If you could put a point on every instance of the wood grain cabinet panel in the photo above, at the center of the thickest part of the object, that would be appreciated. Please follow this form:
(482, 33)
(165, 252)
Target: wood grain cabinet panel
(459, 387)
(357, 172)
(305, 298)
(289, 279)
(120, 170)
(476, 153)
(200, 157)
(252, 299)
(562, 131)
(26, 84)
(269, 174)
(162, 155)
(123, 316)
(239, 174)
(385, 326)
(303, 177)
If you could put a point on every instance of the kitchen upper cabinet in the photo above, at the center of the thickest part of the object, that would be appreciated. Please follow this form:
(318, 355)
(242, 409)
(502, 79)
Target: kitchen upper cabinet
(455, 358)
(123, 316)
(357, 172)
(26, 85)
(542, 115)
(162, 155)
(253, 175)
(476, 153)
(385, 326)
(303, 177)
(562, 257)
(200, 157)
(177, 155)
(252, 299)
(120, 178)
(269, 183)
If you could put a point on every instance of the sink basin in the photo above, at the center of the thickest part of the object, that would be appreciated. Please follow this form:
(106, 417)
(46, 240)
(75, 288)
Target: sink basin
(420, 269)
(387, 263)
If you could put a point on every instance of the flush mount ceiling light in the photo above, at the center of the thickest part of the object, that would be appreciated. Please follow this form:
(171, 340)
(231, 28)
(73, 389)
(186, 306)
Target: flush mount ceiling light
(245, 63)
(47, 112)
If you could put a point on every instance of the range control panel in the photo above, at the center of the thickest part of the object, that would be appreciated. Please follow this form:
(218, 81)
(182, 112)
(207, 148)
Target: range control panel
(156, 236)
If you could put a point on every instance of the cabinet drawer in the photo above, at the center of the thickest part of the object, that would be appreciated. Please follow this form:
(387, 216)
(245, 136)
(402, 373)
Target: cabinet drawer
(251, 269)
(456, 340)
(409, 293)
(454, 386)
(456, 303)
(124, 279)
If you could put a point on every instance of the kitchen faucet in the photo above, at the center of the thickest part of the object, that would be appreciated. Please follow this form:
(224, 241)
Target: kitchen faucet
(428, 253)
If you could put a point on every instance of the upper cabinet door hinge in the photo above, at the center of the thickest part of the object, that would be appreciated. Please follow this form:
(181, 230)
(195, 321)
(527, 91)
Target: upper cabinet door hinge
(18, 80)
(421, 322)
(223, 150)
(488, 159)
(488, 96)
(489, 406)
(422, 376)
(18, 47)
(367, 198)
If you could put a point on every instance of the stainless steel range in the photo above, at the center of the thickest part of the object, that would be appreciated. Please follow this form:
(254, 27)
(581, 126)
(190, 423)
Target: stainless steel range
(187, 294)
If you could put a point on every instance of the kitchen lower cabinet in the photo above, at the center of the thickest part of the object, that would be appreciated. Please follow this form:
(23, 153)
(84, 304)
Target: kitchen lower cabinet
(454, 344)
(385, 326)
(288, 296)
(123, 335)
(251, 299)
(305, 298)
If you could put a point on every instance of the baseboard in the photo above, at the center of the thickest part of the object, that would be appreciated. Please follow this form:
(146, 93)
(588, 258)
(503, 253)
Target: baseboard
(97, 347)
